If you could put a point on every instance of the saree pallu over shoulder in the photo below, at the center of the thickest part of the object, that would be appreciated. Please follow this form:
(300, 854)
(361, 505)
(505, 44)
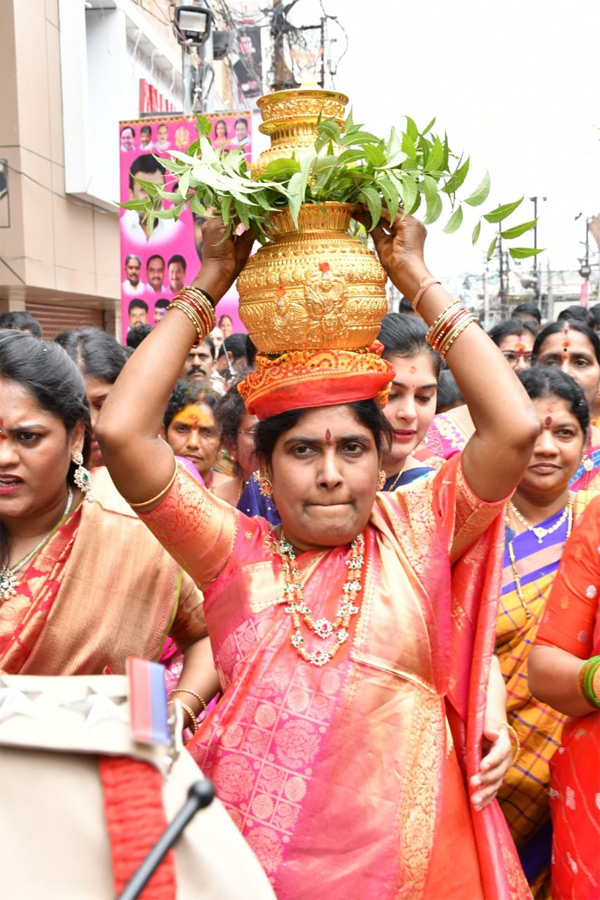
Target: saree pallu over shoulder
(116, 594)
(23, 617)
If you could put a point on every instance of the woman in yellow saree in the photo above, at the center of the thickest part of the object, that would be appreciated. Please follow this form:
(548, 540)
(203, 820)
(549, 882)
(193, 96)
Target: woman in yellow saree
(353, 644)
(539, 519)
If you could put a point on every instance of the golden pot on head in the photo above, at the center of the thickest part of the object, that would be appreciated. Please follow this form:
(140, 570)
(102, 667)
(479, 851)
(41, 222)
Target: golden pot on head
(315, 286)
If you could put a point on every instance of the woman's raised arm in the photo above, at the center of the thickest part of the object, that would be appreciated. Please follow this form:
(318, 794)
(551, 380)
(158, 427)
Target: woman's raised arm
(505, 423)
(140, 463)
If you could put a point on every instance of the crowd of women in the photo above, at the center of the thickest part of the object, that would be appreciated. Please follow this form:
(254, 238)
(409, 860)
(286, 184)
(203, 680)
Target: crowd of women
(374, 601)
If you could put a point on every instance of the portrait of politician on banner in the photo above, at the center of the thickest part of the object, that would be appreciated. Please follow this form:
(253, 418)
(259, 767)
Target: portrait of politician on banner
(157, 261)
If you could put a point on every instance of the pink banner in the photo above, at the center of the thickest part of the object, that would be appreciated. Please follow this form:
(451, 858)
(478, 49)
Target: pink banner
(155, 266)
(584, 294)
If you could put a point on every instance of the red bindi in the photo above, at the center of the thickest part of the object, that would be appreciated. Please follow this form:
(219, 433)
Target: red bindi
(566, 341)
(3, 434)
(328, 436)
(548, 421)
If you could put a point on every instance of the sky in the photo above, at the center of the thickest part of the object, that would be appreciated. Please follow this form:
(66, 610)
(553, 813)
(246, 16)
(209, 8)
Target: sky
(514, 85)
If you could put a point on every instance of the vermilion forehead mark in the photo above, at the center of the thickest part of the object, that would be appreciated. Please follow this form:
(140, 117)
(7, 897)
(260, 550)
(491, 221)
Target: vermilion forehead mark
(3, 434)
(566, 341)
(328, 436)
(548, 421)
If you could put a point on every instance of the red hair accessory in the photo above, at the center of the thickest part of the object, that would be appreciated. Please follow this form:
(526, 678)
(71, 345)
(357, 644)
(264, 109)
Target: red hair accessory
(299, 379)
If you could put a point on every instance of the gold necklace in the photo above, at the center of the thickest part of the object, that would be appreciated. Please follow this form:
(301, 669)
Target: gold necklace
(299, 611)
(392, 486)
(511, 550)
(8, 575)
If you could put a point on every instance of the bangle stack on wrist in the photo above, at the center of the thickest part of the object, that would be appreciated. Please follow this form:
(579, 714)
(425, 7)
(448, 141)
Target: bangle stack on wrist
(198, 306)
(588, 681)
(193, 719)
(450, 323)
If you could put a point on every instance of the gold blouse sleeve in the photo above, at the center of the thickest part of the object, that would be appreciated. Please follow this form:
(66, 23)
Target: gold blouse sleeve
(195, 527)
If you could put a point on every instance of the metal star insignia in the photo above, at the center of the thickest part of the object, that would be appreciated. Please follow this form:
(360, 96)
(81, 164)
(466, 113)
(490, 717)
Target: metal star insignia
(14, 702)
(98, 707)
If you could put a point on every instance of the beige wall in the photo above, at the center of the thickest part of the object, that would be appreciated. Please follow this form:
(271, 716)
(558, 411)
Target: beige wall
(57, 249)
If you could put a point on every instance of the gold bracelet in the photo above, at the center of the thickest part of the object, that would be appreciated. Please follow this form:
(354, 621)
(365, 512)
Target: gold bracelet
(193, 694)
(191, 715)
(513, 734)
(159, 496)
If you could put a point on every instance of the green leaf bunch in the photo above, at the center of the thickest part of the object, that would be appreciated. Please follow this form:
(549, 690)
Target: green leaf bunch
(414, 171)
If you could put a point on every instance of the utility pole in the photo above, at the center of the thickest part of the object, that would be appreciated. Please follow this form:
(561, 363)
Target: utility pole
(502, 271)
(283, 77)
(535, 278)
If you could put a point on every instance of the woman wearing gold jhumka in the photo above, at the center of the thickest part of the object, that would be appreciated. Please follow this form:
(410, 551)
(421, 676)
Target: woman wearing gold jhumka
(353, 645)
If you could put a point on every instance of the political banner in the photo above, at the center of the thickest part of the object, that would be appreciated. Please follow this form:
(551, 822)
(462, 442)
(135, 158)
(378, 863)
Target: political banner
(156, 264)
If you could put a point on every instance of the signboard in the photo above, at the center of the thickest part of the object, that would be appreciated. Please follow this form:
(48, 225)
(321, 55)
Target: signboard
(155, 266)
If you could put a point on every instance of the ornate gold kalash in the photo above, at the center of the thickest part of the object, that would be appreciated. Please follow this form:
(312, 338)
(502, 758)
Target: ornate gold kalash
(315, 287)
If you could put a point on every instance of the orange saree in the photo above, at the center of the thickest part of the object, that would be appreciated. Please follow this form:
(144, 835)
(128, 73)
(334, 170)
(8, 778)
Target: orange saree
(101, 589)
(572, 622)
(348, 781)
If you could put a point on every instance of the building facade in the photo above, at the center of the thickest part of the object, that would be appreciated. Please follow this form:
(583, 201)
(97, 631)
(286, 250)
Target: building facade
(69, 71)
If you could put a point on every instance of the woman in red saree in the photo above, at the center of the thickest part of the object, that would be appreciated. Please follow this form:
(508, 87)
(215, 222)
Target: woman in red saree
(567, 646)
(353, 645)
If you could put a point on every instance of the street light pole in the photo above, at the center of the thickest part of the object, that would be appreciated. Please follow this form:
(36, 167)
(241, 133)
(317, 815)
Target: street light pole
(536, 281)
(585, 269)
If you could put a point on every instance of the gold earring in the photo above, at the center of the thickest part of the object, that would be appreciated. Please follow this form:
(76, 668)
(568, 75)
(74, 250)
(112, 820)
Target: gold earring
(381, 480)
(265, 486)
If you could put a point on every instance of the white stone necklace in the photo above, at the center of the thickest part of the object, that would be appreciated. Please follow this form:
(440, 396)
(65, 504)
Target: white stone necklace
(538, 530)
(300, 613)
(8, 580)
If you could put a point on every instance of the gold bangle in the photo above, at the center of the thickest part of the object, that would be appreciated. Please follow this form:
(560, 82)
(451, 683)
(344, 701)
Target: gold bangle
(513, 734)
(201, 302)
(441, 320)
(456, 332)
(446, 327)
(193, 694)
(191, 715)
(192, 316)
(159, 496)
(197, 290)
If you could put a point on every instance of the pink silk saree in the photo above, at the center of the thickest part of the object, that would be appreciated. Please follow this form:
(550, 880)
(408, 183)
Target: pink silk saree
(349, 781)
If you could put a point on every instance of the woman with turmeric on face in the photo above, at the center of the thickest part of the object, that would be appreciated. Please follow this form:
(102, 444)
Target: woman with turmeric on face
(192, 431)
